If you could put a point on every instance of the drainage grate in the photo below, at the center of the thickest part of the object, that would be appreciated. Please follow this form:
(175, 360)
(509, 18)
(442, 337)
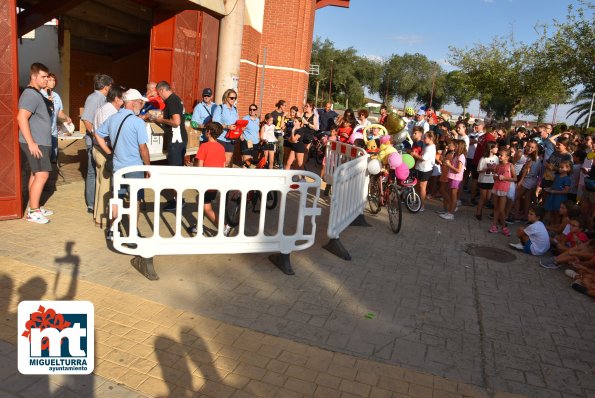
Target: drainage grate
(491, 253)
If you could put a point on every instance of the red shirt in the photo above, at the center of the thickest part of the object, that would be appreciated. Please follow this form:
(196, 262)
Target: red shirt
(481, 144)
(212, 154)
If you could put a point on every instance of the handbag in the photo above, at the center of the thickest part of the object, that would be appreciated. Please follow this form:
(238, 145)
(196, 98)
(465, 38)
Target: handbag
(109, 161)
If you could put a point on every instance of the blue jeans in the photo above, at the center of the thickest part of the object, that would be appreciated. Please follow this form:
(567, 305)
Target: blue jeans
(90, 179)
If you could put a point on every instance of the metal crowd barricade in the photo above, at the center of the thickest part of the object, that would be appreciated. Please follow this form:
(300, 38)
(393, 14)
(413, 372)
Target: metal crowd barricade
(347, 173)
(292, 189)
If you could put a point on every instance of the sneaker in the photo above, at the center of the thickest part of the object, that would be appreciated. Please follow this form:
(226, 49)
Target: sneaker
(447, 216)
(509, 220)
(109, 235)
(170, 205)
(579, 287)
(36, 216)
(517, 246)
(549, 263)
(571, 273)
(441, 211)
(192, 230)
(493, 229)
(505, 232)
(422, 209)
(45, 212)
(227, 230)
(459, 203)
(456, 209)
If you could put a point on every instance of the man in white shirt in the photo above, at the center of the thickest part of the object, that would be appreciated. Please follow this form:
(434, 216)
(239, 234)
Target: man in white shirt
(102, 182)
(420, 120)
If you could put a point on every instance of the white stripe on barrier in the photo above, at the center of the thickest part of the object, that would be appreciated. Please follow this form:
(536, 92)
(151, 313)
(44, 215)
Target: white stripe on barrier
(336, 154)
(223, 180)
(350, 185)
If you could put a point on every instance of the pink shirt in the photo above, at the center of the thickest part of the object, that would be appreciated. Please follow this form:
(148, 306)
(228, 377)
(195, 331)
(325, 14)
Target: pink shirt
(457, 176)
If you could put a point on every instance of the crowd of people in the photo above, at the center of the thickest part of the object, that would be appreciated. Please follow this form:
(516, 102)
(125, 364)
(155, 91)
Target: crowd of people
(531, 176)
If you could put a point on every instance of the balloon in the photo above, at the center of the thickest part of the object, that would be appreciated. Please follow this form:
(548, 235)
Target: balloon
(408, 160)
(402, 172)
(401, 136)
(395, 160)
(374, 167)
(394, 123)
(373, 126)
(384, 139)
(355, 136)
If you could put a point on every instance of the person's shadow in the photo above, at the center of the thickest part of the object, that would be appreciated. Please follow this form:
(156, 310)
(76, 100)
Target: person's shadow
(175, 370)
(69, 258)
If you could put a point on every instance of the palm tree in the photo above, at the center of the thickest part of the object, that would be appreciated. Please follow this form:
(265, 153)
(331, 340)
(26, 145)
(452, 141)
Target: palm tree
(582, 106)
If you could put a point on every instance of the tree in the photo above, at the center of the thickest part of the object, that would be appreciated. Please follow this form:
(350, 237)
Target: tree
(460, 89)
(572, 47)
(512, 77)
(581, 108)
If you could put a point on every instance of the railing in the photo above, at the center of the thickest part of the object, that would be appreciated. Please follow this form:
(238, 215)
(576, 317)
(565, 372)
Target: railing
(336, 154)
(289, 227)
(350, 183)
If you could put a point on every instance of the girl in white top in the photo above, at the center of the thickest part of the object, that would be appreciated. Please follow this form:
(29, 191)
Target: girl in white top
(267, 137)
(425, 165)
(486, 166)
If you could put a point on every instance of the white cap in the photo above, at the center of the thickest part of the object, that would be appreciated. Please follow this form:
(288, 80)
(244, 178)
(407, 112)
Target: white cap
(133, 94)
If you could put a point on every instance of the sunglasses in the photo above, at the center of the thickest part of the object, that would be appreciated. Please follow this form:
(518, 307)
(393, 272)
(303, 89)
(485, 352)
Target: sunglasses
(232, 98)
(253, 109)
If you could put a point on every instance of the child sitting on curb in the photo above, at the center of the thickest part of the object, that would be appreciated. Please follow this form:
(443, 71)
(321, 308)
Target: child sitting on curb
(534, 238)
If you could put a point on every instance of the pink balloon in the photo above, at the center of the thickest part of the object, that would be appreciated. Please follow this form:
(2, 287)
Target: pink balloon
(402, 172)
(394, 160)
(354, 136)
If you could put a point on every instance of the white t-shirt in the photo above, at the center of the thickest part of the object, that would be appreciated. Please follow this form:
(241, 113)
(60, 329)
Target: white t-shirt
(488, 165)
(466, 139)
(540, 240)
(429, 158)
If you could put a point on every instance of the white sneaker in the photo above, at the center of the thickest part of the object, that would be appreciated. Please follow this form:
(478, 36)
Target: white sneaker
(227, 230)
(459, 203)
(456, 209)
(518, 246)
(36, 217)
(45, 212)
(447, 216)
(571, 273)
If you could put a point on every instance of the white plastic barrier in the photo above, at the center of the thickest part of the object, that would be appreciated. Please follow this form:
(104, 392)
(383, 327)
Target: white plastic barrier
(223, 180)
(336, 154)
(350, 188)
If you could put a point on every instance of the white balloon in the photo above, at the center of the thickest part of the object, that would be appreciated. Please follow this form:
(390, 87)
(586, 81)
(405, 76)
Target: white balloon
(401, 136)
(374, 166)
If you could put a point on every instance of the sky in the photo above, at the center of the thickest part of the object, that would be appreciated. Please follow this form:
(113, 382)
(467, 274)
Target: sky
(379, 28)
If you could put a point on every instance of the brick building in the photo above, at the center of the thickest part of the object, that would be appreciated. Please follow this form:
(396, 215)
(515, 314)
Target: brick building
(191, 43)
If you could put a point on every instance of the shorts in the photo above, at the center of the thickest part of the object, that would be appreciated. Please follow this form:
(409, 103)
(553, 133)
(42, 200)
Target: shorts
(454, 184)
(41, 164)
(175, 153)
(228, 145)
(423, 175)
(527, 247)
(298, 147)
(486, 185)
(499, 193)
(269, 146)
(210, 196)
(246, 151)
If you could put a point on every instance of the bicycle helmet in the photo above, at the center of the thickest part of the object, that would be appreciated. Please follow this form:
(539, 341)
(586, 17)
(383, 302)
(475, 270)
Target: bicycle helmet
(409, 111)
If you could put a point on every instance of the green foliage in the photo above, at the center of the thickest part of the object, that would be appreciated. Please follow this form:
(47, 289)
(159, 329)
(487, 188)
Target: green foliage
(581, 108)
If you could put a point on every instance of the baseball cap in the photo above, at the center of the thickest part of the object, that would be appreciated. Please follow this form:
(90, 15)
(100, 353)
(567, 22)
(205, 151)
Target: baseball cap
(133, 94)
(421, 113)
(207, 92)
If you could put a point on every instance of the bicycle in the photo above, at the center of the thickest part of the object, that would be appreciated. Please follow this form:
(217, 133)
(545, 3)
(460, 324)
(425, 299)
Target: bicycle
(383, 190)
(408, 194)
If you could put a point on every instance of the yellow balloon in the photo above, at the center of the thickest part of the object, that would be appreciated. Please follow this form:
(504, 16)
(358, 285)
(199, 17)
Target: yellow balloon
(394, 123)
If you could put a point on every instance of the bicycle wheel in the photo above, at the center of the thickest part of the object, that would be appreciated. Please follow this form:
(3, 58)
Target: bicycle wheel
(394, 209)
(413, 201)
(272, 199)
(374, 194)
(232, 208)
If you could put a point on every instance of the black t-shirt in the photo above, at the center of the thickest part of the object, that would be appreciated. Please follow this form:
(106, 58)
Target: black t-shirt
(277, 119)
(325, 118)
(173, 106)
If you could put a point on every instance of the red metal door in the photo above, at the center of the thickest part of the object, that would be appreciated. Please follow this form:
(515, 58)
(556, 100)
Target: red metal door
(184, 52)
(10, 181)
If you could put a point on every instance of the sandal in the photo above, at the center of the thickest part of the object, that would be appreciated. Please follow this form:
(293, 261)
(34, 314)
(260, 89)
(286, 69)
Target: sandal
(506, 231)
